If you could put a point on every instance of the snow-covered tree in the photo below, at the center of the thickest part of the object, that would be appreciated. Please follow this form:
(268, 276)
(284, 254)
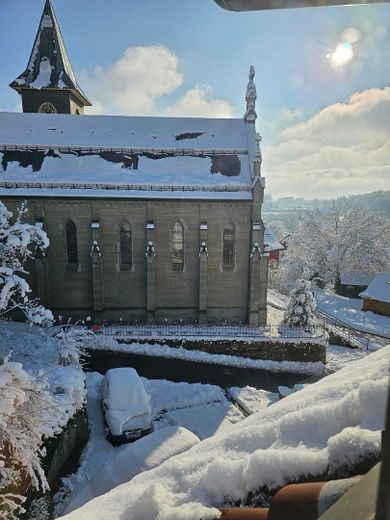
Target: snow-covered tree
(344, 237)
(24, 402)
(19, 242)
(301, 307)
(72, 343)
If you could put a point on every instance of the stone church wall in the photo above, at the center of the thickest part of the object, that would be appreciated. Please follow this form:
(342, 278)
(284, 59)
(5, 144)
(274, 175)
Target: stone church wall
(69, 290)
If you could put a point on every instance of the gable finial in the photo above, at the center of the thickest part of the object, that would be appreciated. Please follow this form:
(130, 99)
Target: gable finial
(250, 98)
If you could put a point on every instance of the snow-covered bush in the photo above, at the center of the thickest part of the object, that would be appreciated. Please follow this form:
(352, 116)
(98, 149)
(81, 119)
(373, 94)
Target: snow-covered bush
(19, 242)
(24, 403)
(72, 343)
(299, 312)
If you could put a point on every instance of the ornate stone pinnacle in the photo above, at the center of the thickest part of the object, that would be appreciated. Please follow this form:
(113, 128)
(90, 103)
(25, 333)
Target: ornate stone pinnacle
(250, 98)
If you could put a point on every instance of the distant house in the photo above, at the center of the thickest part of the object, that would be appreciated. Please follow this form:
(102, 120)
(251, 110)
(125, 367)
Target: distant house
(274, 246)
(377, 295)
(352, 283)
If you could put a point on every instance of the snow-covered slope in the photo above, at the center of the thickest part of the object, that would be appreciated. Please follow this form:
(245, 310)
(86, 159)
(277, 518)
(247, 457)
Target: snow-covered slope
(331, 424)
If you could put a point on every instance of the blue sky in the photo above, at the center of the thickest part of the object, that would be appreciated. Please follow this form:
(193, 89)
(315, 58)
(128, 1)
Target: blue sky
(190, 57)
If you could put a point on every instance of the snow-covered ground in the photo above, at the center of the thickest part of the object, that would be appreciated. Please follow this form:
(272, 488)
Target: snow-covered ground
(328, 426)
(200, 408)
(203, 409)
(39, 352)
(338, 357)
(276, 300)
(346, 310)
(182, 412)
(252, 399)
(349, 311)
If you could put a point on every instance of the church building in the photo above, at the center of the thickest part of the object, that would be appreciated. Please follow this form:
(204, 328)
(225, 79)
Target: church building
(150, 219)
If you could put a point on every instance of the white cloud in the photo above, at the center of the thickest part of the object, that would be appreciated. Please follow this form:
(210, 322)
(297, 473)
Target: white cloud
(134, 83)
(199, 101)
(344, 148)
(138, 81)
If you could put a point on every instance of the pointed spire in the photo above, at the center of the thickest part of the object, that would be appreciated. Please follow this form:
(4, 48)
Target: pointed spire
(251, 95)
(49, 65)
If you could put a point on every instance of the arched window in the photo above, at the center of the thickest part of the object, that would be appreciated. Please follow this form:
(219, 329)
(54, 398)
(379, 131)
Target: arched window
(228, 247)
(125, 245)
(71, 243)
(178, 246)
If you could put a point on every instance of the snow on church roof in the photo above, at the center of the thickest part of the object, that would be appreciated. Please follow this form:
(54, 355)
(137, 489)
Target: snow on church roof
(58, 151)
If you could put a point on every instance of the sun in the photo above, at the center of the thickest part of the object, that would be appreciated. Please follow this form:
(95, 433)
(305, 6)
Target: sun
(341, 55)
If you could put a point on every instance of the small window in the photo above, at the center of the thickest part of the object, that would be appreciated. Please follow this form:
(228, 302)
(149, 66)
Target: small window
(228, 247)
(71, 243)
(178, 247)
(47, 108)
(125, 245)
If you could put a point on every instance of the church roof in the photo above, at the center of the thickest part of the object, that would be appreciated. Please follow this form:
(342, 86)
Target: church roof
(148, 157)
(49, 65)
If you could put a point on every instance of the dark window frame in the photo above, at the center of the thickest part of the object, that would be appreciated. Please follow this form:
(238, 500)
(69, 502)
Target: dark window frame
(72, 252)
(228, 247)
(178, 246)
(125, 245)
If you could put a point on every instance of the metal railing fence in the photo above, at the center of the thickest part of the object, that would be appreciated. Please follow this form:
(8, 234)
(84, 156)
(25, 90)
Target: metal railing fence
(205, 331)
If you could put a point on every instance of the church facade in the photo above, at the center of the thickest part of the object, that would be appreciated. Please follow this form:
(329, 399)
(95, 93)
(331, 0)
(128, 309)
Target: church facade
(150, 219)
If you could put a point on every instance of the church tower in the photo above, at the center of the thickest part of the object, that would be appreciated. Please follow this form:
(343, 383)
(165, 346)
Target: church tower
(48, 84)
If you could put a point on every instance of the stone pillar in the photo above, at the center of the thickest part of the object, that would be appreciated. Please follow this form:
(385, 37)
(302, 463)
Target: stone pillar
(150, 272)
(258, 278)
(203, 274)
(97, 271)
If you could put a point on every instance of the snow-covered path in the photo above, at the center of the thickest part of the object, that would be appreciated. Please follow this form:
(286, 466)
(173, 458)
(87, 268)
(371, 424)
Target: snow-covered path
(349, 311)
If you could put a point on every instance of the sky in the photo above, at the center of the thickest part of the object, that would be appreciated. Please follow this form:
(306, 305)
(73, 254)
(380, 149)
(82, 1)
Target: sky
(322, 77)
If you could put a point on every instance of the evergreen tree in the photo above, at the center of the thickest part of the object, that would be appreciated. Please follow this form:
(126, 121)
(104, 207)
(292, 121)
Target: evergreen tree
(300, 310)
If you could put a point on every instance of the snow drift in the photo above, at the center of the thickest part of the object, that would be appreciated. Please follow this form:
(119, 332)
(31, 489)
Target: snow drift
(146, 453)
(328, 426)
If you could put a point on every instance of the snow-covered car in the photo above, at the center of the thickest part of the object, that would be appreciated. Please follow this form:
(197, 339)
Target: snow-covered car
(126, 406)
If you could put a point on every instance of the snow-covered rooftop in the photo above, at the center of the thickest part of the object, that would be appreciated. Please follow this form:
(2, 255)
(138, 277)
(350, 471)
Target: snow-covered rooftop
(270, 239)
(362, 278)
(379, 288)
(66, 152)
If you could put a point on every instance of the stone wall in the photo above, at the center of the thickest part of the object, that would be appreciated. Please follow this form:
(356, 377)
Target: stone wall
(268, 350)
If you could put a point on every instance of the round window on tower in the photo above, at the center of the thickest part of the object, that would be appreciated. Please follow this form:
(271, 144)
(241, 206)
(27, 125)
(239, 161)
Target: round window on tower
(47, 108)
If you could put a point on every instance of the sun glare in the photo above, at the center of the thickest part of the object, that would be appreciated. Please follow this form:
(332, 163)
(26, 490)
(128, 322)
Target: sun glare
(342, 54)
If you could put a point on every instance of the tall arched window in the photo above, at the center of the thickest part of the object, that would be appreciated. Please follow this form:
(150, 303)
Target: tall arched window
(228, 247)
(125, 245)
(178, 246)
(72, 256)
